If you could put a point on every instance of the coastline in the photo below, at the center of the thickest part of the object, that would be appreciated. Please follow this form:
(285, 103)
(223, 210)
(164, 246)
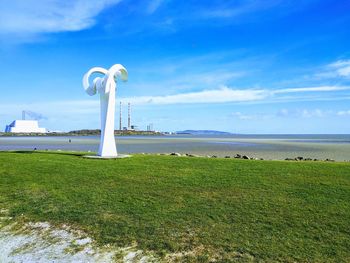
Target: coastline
(79, 133)
(266, 148)
(188, 155)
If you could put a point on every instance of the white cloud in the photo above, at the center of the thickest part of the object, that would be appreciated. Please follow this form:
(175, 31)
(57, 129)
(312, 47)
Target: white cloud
(313, 113)
(344, 72)
(243, 116)
(343, 113)
(74, 107)
(292, 113)
(340, 63)
(85, 113)
(342, 67)
(207, 96)
(214, 96)
(154, 5)
(33, 17)
(283, 113)
(230, 10)
(211, 78)
(226, 94)
(304, 113)
(337, 69)
(311, 89)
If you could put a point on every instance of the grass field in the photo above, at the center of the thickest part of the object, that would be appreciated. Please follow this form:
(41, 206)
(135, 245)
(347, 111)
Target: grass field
(223, 209)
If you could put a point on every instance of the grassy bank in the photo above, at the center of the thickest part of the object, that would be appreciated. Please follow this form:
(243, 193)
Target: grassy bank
(217, 208)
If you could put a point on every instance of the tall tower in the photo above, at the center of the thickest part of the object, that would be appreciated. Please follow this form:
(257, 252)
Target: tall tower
(129, 116)
(120, 116)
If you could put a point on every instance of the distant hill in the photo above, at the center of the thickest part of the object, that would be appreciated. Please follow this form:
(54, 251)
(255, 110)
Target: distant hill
(203, 132)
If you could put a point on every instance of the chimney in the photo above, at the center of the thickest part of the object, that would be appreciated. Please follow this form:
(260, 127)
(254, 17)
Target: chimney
(120, 117)
(129, 116)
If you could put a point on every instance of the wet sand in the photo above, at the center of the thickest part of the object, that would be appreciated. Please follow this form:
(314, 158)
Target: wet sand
(335, 147)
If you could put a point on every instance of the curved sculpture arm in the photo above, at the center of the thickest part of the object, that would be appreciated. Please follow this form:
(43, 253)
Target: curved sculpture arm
(118, 70)
(115, 71)
(91, 88)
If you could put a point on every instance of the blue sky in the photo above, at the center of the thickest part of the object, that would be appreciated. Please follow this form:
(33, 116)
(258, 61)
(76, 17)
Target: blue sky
(244, 66)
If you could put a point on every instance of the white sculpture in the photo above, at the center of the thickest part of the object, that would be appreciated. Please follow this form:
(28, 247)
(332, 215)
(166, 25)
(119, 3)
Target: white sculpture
(106, 87)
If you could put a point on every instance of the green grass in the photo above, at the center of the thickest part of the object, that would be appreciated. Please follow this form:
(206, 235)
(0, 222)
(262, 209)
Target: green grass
(231, 210)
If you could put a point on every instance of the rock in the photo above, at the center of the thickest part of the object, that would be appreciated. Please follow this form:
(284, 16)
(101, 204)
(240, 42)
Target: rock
(238, 156)
(299, 158)
(316, 160)
(245, 157)
(214, 156)
(329, 160)
(307, 159)
(289, 159)
(192, 155)
(175, 154)
(227, 156)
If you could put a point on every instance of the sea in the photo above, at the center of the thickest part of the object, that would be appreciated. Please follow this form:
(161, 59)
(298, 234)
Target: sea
(278, 147)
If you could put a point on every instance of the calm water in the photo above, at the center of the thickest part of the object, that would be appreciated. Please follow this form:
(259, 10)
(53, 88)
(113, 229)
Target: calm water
(264, 146)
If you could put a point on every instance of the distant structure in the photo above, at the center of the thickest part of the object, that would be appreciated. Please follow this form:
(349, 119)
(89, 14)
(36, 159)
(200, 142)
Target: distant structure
(129, 127)
(26, 126)
(129, 117)
(150, 127)
(120, 116)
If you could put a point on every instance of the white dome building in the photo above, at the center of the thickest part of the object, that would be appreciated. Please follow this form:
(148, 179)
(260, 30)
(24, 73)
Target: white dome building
(25, 126)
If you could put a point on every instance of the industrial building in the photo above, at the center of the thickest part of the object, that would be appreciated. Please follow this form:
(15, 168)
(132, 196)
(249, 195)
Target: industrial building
(130, 127)
(150, 127)
(25, 126)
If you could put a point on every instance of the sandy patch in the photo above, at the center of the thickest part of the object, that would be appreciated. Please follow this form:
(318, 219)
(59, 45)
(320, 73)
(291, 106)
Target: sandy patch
(43, 243)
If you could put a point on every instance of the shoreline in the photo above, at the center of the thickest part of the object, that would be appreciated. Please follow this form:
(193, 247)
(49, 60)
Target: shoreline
(79, 133)
(337, 149)
(189, 155)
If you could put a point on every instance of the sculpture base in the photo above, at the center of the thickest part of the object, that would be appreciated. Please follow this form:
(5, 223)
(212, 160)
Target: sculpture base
(119, 156)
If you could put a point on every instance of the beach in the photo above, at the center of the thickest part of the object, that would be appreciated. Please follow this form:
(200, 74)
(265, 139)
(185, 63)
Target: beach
(272, 147)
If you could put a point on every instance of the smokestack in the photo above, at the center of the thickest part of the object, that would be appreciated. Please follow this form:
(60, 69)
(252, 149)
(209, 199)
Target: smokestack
(120, 117)
(129, 116)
